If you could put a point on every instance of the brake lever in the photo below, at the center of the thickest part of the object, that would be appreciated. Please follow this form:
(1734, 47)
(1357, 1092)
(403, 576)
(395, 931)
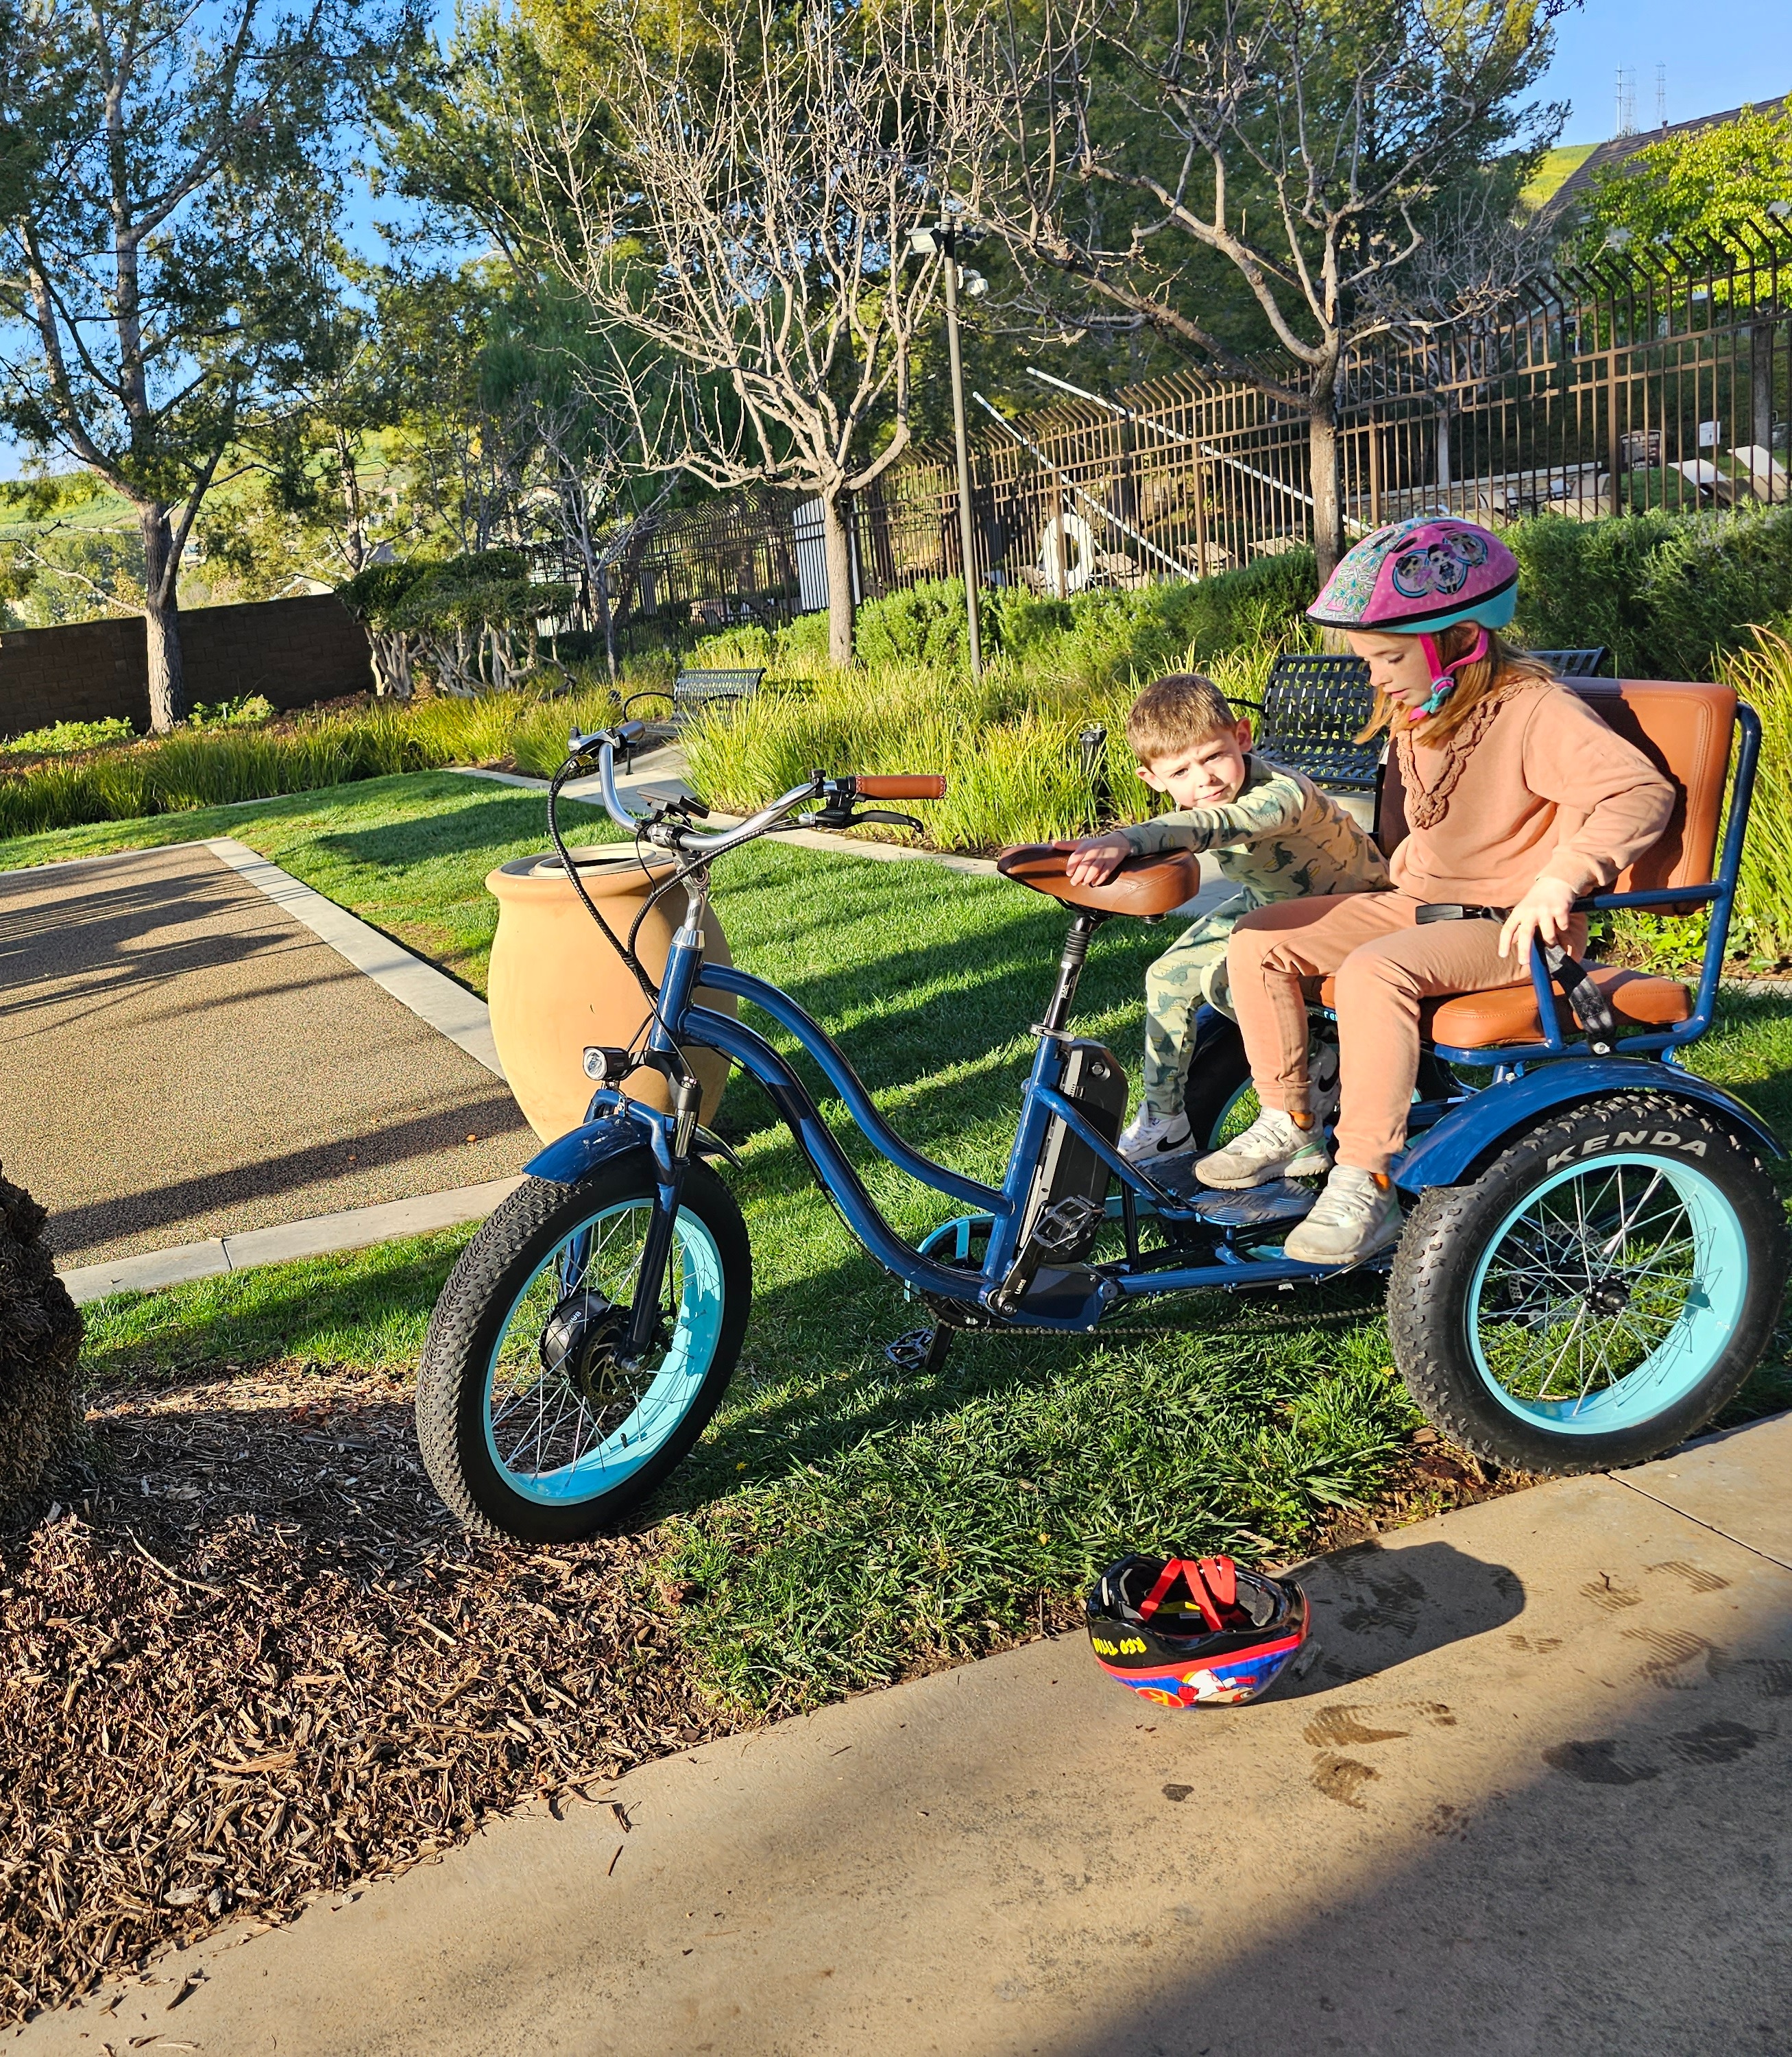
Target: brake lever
(844, 817)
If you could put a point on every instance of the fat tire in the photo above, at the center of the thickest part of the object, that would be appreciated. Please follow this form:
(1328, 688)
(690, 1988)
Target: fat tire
(1217, 1070)
(1445, 1237)
(481, 1289)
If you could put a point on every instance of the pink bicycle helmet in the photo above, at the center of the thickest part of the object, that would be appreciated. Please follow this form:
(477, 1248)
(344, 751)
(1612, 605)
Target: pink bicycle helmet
(1419, 576)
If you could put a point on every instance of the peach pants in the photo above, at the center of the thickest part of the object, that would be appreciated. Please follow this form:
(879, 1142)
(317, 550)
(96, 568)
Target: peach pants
(1385, 966)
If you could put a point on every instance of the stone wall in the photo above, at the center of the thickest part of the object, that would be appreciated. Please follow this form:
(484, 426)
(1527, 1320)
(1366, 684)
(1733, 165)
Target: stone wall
(293, 652)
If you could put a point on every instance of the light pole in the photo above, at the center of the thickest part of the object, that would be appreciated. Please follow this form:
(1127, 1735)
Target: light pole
(945, 239)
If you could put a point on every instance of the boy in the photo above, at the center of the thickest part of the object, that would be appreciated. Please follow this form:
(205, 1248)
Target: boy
(1274, 835)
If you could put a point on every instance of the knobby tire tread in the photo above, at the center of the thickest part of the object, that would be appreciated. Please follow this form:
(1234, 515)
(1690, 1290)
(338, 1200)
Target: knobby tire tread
(1431, 1255)
(492, 1264)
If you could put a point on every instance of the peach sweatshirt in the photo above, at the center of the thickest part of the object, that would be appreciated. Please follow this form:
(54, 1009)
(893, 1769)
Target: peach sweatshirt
(1547, 789)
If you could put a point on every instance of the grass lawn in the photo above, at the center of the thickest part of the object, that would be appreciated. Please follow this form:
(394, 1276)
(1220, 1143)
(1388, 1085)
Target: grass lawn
(842, 1524)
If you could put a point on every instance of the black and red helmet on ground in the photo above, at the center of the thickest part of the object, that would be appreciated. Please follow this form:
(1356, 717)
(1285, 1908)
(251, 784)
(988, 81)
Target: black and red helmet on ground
(1185, 1632)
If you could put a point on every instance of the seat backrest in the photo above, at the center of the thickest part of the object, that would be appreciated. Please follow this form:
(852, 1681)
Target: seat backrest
(1684, 730)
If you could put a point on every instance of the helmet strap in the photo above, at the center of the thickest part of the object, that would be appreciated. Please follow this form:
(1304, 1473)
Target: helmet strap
(1443, 675)
(1212, 1584)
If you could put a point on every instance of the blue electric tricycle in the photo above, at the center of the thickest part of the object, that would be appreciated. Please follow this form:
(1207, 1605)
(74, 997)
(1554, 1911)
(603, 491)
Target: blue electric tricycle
(1593, 1261)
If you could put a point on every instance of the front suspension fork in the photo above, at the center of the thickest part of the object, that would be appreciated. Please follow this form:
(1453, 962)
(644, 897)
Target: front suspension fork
(671, 1159)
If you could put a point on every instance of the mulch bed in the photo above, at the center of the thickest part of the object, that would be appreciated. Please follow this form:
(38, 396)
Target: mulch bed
(253, 1662)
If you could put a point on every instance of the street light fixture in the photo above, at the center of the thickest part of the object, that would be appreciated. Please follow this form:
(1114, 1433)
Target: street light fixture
(944, 241)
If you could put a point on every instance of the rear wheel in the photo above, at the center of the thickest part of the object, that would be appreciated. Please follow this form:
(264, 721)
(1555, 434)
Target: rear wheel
(1597, 1294)
(529, 1426)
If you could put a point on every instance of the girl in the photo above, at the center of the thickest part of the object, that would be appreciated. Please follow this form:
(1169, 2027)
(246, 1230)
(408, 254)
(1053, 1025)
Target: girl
(1519, 801)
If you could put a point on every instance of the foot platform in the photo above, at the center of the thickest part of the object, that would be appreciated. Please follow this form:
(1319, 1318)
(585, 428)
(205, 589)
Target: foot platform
(1277, 1205)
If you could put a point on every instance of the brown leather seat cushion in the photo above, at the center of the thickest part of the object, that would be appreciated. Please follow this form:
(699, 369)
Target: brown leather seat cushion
(1483, 1021)
(1143, 885)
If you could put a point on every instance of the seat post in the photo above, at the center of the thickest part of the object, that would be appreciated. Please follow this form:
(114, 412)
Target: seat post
(1087, 921)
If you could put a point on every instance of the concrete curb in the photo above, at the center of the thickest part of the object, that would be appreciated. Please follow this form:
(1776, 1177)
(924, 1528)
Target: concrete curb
(431, 995)
(354, 1228)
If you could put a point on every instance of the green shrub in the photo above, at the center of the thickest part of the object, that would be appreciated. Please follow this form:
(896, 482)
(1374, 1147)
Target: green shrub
(1670, 595)
(249, 711)
(62, 738)
(921, 624)
(211, 767)
(1762, 925)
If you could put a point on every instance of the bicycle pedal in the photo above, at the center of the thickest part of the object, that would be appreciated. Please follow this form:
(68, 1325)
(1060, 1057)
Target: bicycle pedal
(918, 1350)
(1065, 1223)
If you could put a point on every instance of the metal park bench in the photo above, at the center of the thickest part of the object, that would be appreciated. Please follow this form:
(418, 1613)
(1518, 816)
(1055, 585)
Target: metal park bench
(1313, 711)
(694, 690)
(1572, 664)
(1315, 706)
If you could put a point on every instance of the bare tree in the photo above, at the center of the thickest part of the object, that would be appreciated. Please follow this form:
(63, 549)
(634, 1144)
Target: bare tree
(1296, 148)
(159, 255)
(588, 468)
(744, 210)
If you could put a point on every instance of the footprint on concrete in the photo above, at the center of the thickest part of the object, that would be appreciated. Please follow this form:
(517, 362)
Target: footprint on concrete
(1536, 1646)
(1343, 1779)
(1332, 1726)
(1596, 1763)
(1713, 1742)
(1436, 1713)
(1697, 1578)
(1450, 1824)
(1602, 1592)
(1383, 1594)
(1772, 1676)
(1675, 1649)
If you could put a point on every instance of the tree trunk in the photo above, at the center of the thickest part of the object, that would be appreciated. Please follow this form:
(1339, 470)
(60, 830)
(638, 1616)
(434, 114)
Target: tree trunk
(168, 676)
(1321, 448)
(837, 535)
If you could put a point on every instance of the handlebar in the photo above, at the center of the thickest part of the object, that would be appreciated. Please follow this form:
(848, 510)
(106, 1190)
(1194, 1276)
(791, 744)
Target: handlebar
(835, 795)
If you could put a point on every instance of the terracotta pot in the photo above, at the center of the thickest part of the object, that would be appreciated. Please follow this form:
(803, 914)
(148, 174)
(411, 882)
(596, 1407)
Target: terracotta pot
(556, 987)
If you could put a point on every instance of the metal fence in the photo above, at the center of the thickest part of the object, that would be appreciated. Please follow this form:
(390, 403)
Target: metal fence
(1662, 382)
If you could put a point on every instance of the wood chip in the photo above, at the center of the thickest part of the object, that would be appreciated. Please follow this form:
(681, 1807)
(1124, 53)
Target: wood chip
(275, 1688)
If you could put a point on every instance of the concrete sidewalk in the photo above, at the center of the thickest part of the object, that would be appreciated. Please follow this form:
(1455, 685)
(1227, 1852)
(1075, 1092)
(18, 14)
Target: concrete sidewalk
(1530, 1796)
(186, 1058)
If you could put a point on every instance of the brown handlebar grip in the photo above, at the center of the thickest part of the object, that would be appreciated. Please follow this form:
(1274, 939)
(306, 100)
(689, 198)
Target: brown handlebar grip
(901, 785)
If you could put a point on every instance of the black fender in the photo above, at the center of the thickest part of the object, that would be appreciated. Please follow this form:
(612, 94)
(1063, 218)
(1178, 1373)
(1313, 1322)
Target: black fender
(1484, 1124)
(582, 1151)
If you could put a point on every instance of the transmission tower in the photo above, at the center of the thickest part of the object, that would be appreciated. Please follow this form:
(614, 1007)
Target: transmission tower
(1626, 108)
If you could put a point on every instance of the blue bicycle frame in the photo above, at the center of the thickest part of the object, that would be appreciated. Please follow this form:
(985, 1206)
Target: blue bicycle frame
(1215, 1239)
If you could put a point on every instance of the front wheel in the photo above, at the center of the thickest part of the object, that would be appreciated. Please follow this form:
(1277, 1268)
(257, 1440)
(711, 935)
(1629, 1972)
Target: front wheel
(1597, 1294)
(528, 1425)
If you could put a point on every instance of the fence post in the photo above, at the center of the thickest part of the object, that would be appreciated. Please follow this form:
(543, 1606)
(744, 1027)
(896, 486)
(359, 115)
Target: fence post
(1197, 482)
(1062, 586)
(1611, 444)
(1374, 473)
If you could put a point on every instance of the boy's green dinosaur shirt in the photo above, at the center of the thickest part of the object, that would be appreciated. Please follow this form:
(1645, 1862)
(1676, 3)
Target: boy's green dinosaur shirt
(1280, 839)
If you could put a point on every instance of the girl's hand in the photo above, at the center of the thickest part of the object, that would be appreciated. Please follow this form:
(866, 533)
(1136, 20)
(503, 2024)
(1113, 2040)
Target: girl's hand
(1096, 858)
(1544, 912)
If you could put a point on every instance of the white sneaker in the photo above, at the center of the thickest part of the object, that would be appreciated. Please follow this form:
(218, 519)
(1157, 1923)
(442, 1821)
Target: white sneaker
(1273, 1147)
(1357, 1215)
(1149, 1135)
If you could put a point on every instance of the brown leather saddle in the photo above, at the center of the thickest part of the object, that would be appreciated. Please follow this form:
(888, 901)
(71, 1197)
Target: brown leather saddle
(1143, 885)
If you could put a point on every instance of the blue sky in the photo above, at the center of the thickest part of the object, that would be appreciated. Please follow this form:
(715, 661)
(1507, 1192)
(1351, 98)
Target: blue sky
(1717, 54)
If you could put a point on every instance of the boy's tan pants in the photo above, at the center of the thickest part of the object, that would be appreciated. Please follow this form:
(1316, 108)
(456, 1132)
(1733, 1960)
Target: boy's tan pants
(1386, 965)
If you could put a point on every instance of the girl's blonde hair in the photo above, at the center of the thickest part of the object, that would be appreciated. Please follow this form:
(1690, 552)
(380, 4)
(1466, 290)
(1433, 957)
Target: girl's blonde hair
(1501, 667)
